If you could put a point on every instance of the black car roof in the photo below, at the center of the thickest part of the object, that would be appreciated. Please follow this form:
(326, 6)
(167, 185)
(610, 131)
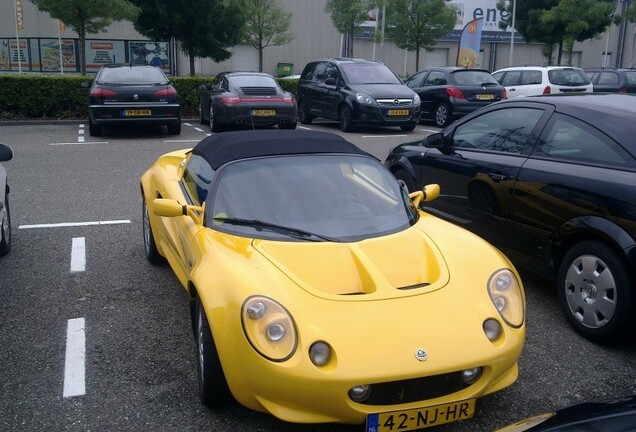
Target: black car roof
(219, 149)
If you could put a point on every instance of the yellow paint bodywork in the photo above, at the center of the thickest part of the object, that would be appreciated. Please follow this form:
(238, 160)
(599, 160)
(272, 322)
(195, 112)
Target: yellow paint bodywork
(375, 302)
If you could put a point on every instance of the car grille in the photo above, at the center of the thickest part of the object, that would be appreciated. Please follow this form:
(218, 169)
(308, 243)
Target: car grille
(258, 91)
(417, 389)
(392, 102)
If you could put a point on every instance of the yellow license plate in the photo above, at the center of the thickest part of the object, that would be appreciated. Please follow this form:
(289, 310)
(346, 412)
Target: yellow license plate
(394, 112)
(137, 113)
(264, 113)
(485, 96)
(420, 418)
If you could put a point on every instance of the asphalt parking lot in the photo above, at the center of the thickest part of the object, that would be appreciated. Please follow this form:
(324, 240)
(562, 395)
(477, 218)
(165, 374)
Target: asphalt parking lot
(94, 338)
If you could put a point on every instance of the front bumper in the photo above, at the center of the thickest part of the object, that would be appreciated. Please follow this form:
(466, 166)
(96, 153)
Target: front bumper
(111, 114)
(370, 115)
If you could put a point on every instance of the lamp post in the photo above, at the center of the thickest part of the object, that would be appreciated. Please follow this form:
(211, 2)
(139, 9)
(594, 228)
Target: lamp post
(512, 33)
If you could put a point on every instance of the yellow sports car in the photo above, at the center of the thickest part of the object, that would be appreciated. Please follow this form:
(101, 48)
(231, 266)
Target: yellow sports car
(320, 293)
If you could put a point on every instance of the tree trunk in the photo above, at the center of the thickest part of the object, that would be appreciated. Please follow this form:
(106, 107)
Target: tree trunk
(260, 59)
(560, 53)
(82, 48)
(191, 56)
(417, 58)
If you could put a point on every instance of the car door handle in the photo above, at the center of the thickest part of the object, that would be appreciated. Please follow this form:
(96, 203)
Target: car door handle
(497, 177)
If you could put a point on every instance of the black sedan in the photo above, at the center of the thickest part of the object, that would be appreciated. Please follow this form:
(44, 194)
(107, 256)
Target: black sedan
(246, 100)
(549, 180)
(6, 153)
(448, 93)
(612, 80)
(125, 94)
(615, 415)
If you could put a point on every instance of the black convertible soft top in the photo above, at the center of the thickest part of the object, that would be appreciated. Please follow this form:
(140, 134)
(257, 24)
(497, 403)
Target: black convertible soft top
(219, 149)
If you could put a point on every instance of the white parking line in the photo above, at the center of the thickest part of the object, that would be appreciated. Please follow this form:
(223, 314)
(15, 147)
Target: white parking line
(74, 224)
(381, 136)
(198, 129)
(75, 361)
(304, 127)
(430, 130)
(181, 141)
(187, 124)
(80, 143)
(78, 255)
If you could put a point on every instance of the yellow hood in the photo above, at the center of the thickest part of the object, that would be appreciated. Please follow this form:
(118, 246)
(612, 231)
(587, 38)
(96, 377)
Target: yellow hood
(403, 264)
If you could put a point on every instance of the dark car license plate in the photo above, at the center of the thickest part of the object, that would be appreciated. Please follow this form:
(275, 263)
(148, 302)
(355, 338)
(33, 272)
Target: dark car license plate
(485, 96)
(420, 418)
(397, 112)
(137, 113)
(263, 113)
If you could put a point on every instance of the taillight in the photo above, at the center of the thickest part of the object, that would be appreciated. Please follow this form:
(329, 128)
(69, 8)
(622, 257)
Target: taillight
(101, 92)
(166, 92)
(230, 100)
(504, 94)
(622, 90)
(455, 92)
(546, 90)
(288, 99)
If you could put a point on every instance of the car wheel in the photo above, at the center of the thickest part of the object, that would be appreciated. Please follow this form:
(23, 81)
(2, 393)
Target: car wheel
(408, 127)
(213, 388)
(150, 247)
(442, 115)
(346, 120)
(303, 115)
(201, 118)
(287, 125)
(405, 179)
(595, 291)
(5, 221)
(93, 129)
(174, 129)
(214, 126)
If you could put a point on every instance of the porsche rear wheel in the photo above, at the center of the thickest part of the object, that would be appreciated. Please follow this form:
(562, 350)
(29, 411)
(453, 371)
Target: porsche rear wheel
(150, 247)
(213, 388)
(214, 125)
(5, 226)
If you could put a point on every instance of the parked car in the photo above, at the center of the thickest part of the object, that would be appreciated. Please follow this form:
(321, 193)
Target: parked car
(132, 94)
(612, 80)
(6, 154)
(542, 80)
(612, 415)
(448, 93)
(549, 180)
(356, 92)
(246, 99)
(303, 258)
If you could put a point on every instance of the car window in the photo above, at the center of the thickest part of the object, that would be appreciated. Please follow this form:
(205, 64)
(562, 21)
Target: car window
(308, 72)
(498, 76)
(630, 77)
(197, 178)
(369, 73)
(505, 130)
(531, 77)
(568, 138)
(332, 72)
(473, 78)
(511, 78)
(416, 80)
(132, 75)
(253, 81)
(568, 77)
(319, 72)
(436, 78)
(608, 78)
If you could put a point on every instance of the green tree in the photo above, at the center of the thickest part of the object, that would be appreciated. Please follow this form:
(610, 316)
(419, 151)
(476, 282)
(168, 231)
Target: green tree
(203, 28)
(347, 15)
(88, 16)
(266, 24)
(416, 24)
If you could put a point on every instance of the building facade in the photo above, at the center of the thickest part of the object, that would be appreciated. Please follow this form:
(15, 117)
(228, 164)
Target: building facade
(31, 41)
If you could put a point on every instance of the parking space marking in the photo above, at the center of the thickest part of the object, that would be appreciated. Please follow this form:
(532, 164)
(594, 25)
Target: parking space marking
(74, 224)
(198, 129)
(187, 124)
(75, 361)
(381, 136)
(79, 143)
(304, 127)
(430, 130)
(78, 255)
(181, 141)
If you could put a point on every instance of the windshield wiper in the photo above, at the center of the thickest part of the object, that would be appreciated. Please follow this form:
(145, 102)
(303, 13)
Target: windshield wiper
(289, 231)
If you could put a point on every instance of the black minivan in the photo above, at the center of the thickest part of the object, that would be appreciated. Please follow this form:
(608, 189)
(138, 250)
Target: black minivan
(356, 92)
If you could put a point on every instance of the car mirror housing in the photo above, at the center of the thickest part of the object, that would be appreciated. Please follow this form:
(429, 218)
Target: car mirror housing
(171, 208)
(6, 153)
(435, 140)
(330, 81)
(431, 192)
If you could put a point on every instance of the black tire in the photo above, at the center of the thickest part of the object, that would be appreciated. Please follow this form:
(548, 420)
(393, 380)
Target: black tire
(303, 115)
(408, 127)
(174, 128)
(595, 291)
(287, 125)
(346, 119)
(442, 115)
(5, 242)
(202, 119)
(213, 388)
(214, 125)
(93, 129)
(150, 247)
(404, 178)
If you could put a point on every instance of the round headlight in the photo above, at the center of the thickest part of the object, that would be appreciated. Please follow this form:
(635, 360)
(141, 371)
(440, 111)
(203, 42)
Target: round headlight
(360, 393)
(256, 310)
(275, 332)
(507, 296)
(492, 329)
(269, 328)
(471, 376)
(365, 99)
(320, 353)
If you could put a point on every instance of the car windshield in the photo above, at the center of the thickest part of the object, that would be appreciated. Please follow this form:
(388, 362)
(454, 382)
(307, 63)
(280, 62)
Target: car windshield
(369, 73)
(253, 81)
(132, 75)
(568, 77)
(309, 197)
(472, 77)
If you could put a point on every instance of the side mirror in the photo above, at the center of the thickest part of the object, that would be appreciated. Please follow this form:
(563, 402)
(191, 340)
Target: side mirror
(6, 153)
(430, 193)
(330, 81)
(171, 208)
(435, 140)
